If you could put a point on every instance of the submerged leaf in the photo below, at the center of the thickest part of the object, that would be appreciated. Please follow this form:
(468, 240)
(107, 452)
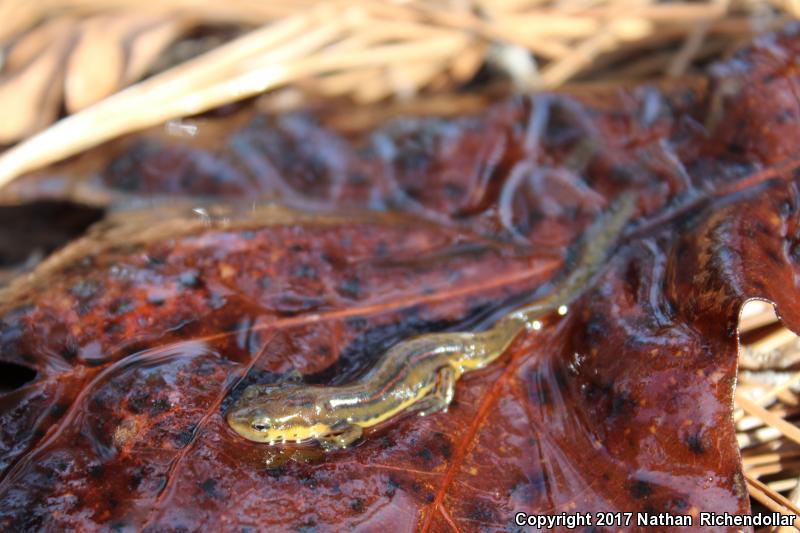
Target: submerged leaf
(143, 333)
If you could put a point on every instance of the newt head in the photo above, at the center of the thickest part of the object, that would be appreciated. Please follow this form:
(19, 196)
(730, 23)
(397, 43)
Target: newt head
(278, 414)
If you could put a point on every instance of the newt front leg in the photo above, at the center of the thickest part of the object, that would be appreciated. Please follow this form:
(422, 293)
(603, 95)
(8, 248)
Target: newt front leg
(341, 436)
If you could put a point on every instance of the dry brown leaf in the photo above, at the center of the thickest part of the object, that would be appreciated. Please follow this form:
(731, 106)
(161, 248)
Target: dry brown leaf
(112, 52)
(95, 66)
(150, 43)
(30, 97)
(29, 46)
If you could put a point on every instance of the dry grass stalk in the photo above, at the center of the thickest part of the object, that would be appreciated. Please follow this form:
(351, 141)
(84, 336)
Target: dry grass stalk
(770, 395)
(767, 435)
(365, 49)
(770, 499)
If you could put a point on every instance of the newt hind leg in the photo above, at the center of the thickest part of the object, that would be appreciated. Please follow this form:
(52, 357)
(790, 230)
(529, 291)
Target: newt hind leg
(441, 395)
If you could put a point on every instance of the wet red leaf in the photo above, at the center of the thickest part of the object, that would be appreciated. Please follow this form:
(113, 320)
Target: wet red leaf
(143, 332)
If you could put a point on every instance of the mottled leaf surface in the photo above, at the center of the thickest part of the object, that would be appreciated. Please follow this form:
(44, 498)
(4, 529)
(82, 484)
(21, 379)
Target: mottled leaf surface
(142, 332)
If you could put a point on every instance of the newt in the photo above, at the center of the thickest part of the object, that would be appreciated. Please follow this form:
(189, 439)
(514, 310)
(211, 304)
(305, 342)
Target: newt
(416, 375)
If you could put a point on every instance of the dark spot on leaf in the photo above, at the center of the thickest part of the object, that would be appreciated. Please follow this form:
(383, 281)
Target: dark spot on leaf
(446, 448)
(309, 480)
(695, 443)
(357, 505)
(350, 288)
(113, 328)
(480, 511)
(391, 486)
(680, 504)
(276, 472)
(425, 454)
(209, 486)
(189, 279)
(58, 410)
(306, 271)
(121, 306)
(84, 308)
(310, 526)
(159, 406)
(621, 404)
(84, 290)
(640, 489)
(216, 301)
(357, 323)
(156, 299)
(96, 471)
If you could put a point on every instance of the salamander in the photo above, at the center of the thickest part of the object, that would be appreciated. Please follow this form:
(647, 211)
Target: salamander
(418, 374)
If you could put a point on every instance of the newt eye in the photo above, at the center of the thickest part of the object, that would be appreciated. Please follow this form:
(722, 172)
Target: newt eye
(260, 426)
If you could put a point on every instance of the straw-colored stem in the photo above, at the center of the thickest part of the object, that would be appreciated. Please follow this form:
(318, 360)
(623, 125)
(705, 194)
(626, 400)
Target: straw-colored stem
(790, 431)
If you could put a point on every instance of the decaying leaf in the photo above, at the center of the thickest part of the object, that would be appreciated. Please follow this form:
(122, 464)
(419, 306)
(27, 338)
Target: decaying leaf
(142, 333)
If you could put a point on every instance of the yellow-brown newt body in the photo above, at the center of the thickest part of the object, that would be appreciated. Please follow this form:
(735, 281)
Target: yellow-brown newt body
(419, 373)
